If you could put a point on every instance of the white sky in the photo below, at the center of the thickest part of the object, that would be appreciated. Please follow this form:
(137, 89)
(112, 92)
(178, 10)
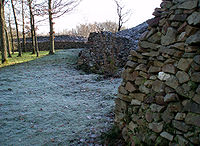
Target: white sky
(90, 11)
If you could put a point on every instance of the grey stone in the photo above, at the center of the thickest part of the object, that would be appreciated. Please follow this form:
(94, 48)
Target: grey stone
(179, 46)
(156, 127)
(194, 18)
(137, 96)
(182, 141)
(192, 107)
(198, 90)
(170, 97)
(132, 126)
(154, 69)
(193, 119)
(169, 68)
(188, 5)
(184, 64)
(141, 67)
(155, 38)
(156, 108)
(130, 87)
(195, 66)
(166, 50)
(139, 81)
(170, 37)
(194, 39)
(135, 54)
(158, 86)
(174, 107)
(124, 97)
(172, 82)
(195, 77)
(180, 125)
(145, 44)
(151, 54)
(143, 74)
(144, 89)
(131, 64)
(122, 90)
(182, 77)
(167, 135)
(167, 116)
(135, 102)
(163, 76)
(178, 17)
(180, 116)
(149, 116)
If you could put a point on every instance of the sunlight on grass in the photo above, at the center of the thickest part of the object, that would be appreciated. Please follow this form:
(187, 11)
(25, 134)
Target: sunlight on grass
(28, 56)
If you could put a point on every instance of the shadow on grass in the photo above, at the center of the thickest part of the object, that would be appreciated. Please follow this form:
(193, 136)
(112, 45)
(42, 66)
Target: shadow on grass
(26, 57)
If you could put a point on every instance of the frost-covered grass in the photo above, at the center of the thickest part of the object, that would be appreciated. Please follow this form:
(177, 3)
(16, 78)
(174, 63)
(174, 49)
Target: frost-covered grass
(48, 102)
(28, 56)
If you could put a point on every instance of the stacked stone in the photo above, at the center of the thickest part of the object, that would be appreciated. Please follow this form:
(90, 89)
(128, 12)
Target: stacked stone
(159, 99)
(106, 53)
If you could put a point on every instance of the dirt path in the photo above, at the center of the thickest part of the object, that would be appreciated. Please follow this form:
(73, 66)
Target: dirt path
(49, 102)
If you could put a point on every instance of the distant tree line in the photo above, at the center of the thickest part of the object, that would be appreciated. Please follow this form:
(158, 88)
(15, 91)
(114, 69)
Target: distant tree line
(85, 29)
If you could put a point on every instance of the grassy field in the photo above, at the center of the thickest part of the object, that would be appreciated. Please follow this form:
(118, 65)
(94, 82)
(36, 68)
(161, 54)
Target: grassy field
(28, 56)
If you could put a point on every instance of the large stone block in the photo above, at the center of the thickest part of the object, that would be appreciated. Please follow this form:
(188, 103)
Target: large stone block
(158, 86)
(195, 77)
(172, 82)
(194, 18)
(191, 4)
(194, 39)
(169, 68)
(182, 77)
(130, 87)
(170, 37)
(180, 126)
(167, 135)
(193, 119)
(192, 107)
(197, 59)
(156, 127)
(184, 64)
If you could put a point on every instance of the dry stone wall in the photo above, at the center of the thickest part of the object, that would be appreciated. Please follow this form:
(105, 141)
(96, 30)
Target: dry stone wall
(61, 42)
(159, 99)
(44, 46)
(107, 52)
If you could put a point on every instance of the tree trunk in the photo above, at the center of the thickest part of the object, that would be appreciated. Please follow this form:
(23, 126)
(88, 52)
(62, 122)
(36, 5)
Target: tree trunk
(7, 41)
(35, 36)
(52, 49)
(32, 27)
(11, 35)
(17, 31)
(23, 29)
(2, 33)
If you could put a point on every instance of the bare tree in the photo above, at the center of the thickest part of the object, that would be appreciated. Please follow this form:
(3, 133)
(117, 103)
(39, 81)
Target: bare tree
(11, 34)
(17, 30)
(123, 15)
(56, 9)
(32, 26)
(7, 41)
(2, 32)
(23, 28)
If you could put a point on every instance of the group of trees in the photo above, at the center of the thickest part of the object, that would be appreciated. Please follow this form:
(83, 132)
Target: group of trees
(43, 10)
(85, 29)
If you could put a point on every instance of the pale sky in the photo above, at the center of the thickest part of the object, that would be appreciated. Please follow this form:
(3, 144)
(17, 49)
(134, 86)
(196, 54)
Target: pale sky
(90, 11)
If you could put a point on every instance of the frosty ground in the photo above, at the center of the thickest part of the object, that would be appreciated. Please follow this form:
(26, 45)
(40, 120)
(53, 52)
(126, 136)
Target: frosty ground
(48, 102)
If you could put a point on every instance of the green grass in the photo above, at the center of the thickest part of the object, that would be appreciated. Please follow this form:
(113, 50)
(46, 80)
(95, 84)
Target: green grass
(28, 56)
